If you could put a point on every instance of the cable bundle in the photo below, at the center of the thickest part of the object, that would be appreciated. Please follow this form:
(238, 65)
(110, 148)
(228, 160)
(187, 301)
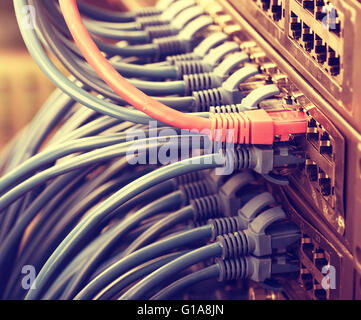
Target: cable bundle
(83, 199)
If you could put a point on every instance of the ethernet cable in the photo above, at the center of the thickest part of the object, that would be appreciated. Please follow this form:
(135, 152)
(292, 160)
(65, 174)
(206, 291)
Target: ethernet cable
(126, 279)
(12, 240)
(154, 88)
(106, 15)
(248, 267)
(120, 212)
(27, 202)
(148, 33)
(192, 83)
(53, 110)
(223, 226)
(54, 225)
(225, 247)
(60, 222)
(89, 222)
(164, 71)
(176, 198)
(20, 173)
(98, 254)
(140, 289)
(187, 102)
(162, 246)
(95, 156)
(261, 166)
(207, 273)
(95, 127)
(198, 210)
(161, 39)
(133, 275)
(9, 215)
(202, 209)
(117, 83)
(133, 235)
(93, 102)
(150, 252)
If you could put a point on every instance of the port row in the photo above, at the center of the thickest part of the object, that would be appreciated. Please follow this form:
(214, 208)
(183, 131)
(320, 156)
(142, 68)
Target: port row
(313, 44)
(273, 8)
(324, 12)
(319, 258)
(320, 138)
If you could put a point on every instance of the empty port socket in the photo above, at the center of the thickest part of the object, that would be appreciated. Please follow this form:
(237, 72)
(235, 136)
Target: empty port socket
(276, 10)
(333, 62)
(320, 50)
(296, 26)
(319, 292)
(311, 39)
(307, 247)
(320, 259)
(266, 4)
(312, 131)
(307, 38)
(325, 184)
(306, 278)
(309, 5)
(334, 23)
(321, 12)
(325, 144)
(312, 170)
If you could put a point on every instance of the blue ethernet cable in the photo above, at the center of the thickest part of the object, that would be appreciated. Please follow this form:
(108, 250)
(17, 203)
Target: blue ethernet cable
(134, 188)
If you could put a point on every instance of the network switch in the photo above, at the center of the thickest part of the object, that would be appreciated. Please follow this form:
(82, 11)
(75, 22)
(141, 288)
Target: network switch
(206, 149)
(316, 34)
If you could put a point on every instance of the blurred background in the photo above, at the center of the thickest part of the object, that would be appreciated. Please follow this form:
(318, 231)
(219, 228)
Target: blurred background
(23, 87)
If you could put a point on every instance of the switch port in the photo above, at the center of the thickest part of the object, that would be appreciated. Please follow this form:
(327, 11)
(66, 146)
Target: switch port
(306, 278)
(333, 62)
(312, 131)
(307, 247)
(320, 50)
(296, 27)
(308, 5)
(334, 23)
(325, 184)
(325, 144)
(321, 11)
(312, 170)
(307, 38)
(319, 292)
(266, 4)
(320, 259)
(276, 10)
